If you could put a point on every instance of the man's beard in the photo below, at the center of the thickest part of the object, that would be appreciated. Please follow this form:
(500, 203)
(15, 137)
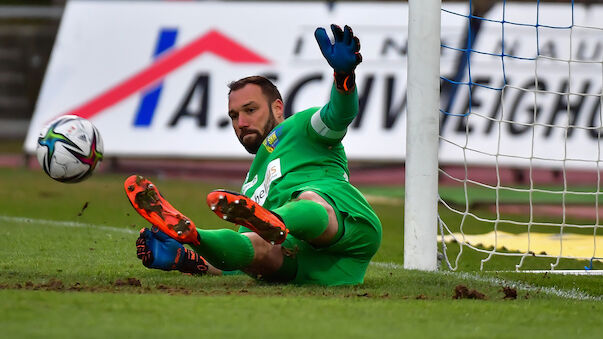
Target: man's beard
(255, 146)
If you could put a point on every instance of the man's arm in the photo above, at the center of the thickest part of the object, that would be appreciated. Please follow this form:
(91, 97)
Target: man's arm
(343, 54)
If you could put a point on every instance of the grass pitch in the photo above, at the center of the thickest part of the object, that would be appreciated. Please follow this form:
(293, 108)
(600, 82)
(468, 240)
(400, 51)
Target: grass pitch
(68, 269)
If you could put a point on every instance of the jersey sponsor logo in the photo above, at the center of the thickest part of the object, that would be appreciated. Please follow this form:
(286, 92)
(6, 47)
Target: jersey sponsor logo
(272, 140)
(250, 184)
(273, 172)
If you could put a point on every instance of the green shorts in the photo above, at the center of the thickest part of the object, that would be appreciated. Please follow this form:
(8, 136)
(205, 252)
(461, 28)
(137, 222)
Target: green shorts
(342, 263)
(345, 261)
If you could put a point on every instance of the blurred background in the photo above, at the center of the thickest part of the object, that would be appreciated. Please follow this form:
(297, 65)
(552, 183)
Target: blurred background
(27, 32)
(28, 29)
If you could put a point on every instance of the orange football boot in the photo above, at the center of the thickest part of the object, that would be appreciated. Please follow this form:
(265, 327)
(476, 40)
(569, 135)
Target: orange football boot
(241, 210)
(148, 202)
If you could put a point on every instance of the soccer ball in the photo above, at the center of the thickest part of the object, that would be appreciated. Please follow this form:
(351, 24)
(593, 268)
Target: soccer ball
(69, 149)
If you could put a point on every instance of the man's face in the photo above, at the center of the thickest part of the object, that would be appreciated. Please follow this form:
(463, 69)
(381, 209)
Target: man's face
(252, 116)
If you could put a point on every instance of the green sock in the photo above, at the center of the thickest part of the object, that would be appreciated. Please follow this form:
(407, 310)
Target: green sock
(305, 219)
(225, 249)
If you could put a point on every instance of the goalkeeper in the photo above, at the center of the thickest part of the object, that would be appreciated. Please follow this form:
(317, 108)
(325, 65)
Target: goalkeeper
(300, 219)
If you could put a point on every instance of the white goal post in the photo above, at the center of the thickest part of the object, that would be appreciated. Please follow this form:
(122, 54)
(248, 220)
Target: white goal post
(423, 104)
(503, 141)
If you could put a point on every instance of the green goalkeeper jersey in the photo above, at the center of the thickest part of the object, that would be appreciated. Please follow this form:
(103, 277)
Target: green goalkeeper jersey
(303, 153)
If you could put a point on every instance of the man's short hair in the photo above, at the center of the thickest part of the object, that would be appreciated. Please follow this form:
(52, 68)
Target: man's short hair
(268, 88)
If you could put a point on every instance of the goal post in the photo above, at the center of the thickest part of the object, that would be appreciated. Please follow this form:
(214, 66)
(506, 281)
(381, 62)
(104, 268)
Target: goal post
(423, 104)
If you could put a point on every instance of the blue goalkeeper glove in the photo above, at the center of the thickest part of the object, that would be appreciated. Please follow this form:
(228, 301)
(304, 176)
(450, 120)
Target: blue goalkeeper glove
(158, 250)
(343, 54)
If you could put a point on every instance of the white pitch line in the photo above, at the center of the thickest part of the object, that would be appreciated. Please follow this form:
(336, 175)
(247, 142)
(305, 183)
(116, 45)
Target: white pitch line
(66, 224)
(575, 293)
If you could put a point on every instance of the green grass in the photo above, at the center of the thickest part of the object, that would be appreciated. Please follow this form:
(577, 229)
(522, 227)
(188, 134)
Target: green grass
(130, 315)
(61, 268)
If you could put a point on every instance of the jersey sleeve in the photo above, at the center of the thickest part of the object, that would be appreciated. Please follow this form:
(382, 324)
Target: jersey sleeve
(332, 120)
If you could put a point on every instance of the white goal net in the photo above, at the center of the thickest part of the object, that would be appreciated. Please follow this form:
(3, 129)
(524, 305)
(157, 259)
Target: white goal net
(519, 169)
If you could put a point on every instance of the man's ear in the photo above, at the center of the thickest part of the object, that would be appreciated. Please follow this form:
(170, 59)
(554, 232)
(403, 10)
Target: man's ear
(278, 110)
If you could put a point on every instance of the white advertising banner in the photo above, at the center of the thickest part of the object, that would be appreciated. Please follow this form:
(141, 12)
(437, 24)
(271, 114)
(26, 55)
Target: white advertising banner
(152, 76)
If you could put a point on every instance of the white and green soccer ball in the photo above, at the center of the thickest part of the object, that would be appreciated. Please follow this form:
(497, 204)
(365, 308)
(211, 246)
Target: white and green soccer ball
(69, 149)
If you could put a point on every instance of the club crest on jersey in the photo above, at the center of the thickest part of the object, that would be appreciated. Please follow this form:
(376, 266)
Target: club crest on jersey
(271, 140)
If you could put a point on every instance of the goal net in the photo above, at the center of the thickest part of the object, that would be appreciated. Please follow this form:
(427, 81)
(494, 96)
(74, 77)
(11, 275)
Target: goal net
(519, 164)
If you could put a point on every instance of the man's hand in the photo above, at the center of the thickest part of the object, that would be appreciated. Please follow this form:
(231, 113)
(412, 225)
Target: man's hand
(343, 54)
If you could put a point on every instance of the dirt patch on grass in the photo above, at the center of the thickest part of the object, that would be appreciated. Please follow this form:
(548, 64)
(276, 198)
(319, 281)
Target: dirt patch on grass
(58, 285)
(136, 286)
(128, 282)
(129, 285)
(51, 285)
(463, 292)
(510, 292)
(173, 290)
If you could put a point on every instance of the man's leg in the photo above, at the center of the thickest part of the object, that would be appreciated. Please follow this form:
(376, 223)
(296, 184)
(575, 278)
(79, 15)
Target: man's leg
(312, 220)
(228, 250)
(269, 262)
(224, 249)
(310, 217)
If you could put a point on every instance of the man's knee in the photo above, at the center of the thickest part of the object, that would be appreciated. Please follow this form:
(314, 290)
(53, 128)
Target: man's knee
(328, 236)
(313, 196)
(267, 258)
